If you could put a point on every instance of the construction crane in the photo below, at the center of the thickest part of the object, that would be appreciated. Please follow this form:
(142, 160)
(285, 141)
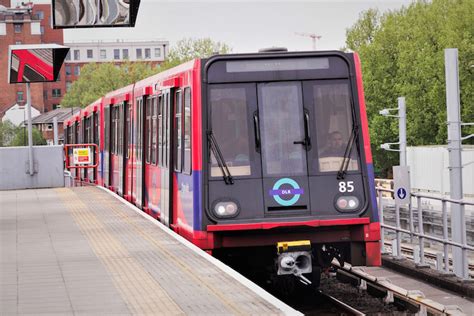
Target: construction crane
(313, 37)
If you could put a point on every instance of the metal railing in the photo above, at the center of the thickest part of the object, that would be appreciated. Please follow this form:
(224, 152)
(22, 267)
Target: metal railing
(445, 240)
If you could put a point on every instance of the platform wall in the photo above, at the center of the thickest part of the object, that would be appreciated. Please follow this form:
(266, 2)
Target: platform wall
(48, 166)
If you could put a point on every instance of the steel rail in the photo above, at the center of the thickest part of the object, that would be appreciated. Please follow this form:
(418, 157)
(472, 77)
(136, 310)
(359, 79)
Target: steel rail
(347, 308)
(425, 306)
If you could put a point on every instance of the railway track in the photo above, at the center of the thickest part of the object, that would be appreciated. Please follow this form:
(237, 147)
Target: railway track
(430, 255)
(412, 301)
(345, 308)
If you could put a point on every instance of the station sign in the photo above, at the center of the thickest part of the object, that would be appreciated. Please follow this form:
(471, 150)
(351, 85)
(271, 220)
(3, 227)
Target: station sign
(35, 63)
(96, 13)
(82, 156)
(401, 185)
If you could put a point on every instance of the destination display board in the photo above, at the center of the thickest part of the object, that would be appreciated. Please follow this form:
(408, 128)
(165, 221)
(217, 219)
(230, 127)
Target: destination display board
(35, 63)
(94, 13)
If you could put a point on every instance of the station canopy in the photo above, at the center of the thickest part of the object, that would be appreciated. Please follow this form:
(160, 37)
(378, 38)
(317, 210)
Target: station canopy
(35, 63)
(94, 13)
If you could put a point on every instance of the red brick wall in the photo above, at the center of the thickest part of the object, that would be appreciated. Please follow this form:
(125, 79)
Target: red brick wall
(5, 3)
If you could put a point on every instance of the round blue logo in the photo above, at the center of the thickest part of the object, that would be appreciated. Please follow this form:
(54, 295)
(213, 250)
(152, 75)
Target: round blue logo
(295, 190)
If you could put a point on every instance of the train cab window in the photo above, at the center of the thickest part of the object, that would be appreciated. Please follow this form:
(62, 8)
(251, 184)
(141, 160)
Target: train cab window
(280, 104)
(177, 132)
(230, 119)
(187, 132)
(333, 121)
(160, 130)
(148, 129)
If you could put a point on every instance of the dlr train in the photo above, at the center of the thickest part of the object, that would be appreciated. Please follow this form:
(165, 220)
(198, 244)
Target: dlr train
(260, 159)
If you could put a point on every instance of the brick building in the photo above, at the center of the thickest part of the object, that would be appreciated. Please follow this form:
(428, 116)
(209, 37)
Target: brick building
(44, 123)
(28, 24)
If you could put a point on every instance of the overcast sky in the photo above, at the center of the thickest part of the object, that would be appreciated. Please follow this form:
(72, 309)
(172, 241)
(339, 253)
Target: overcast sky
(244, 25)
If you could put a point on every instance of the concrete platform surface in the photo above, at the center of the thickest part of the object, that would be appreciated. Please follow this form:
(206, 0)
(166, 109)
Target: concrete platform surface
(82, 251)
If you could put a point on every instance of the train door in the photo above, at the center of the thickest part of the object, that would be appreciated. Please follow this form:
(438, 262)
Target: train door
(121, 150)
(284, 150)
(107, 142)
(128, 152)
(139, 154)
(167, 157)
(95, 140)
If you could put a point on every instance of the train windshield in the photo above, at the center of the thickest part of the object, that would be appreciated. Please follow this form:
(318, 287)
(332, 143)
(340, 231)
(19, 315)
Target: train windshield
(289, 145)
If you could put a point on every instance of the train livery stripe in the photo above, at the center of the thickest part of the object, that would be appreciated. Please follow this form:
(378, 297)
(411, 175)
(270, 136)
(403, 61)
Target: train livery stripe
(373, 194)
(362, 109)
(311, 223)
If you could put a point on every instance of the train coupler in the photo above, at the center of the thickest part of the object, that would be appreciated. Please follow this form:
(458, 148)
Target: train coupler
(294, 257)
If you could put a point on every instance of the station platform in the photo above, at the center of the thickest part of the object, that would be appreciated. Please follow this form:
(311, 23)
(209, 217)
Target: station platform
(83, 251)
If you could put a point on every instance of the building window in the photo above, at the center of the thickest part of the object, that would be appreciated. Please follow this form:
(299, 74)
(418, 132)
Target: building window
(49, 127)
(139, 53)
(56, 93)
(68, 85)
(41, 29)
(90, 54)
(147, 53)
(56, 106)
(116, 53)
(157, 52)
(18, 43)
(40, 15)
(19, 96)
(77, 54)
(77, 70)
(68, 70)
(125, 53)
(18, 28)
(103, 54)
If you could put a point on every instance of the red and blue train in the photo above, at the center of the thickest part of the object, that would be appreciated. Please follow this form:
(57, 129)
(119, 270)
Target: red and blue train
(264, 158)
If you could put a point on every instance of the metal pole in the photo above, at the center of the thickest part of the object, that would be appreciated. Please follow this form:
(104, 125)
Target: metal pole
(402, 130)
(454, 149)
(445, 237)
(382, 231)
(55, 130)
(421, 238)
(398, 233)
(30, 130)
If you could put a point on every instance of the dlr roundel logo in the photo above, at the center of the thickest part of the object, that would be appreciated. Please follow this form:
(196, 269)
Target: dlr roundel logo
(290, 188)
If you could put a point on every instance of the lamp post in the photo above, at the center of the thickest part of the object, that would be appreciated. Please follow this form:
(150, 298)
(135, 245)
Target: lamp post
(402, 130)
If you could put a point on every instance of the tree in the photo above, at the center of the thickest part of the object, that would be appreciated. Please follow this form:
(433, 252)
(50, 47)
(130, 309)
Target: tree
(96, 80)
(188, 49)
(21, 138)
(402, 54)
(7, 133)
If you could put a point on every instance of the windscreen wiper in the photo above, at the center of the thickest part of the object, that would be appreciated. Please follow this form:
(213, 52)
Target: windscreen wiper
(341, 174)
(220, 159)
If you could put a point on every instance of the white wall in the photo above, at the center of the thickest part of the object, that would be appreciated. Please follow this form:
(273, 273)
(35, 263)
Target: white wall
(429, 169)
(17, 114)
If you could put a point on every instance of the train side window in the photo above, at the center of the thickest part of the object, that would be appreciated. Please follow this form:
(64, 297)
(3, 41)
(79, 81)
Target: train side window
(187, 132)
(96, 128)
(121, 128)
(160, 130)
(107, 129)
(112, 130)
(153, 131)
(333, 120)
(177, 132)
(127, 130)
(148, 129)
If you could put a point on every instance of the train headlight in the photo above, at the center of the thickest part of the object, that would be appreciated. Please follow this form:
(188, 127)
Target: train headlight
(347, 203)
(226, 209)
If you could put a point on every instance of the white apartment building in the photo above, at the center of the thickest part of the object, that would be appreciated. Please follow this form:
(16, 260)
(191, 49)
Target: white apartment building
(118, 51)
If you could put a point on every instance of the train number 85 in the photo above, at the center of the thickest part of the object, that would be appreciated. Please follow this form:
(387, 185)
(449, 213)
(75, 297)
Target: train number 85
(346, 186)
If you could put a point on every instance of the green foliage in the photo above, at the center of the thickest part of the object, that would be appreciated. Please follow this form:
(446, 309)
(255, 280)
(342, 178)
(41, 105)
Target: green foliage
(188, 49)
(402, 54)
(96, 80)
(21, 137)
(7, 133)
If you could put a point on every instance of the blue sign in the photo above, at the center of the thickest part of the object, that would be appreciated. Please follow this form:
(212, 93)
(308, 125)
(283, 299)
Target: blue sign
(295, 190)
(401, 193)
